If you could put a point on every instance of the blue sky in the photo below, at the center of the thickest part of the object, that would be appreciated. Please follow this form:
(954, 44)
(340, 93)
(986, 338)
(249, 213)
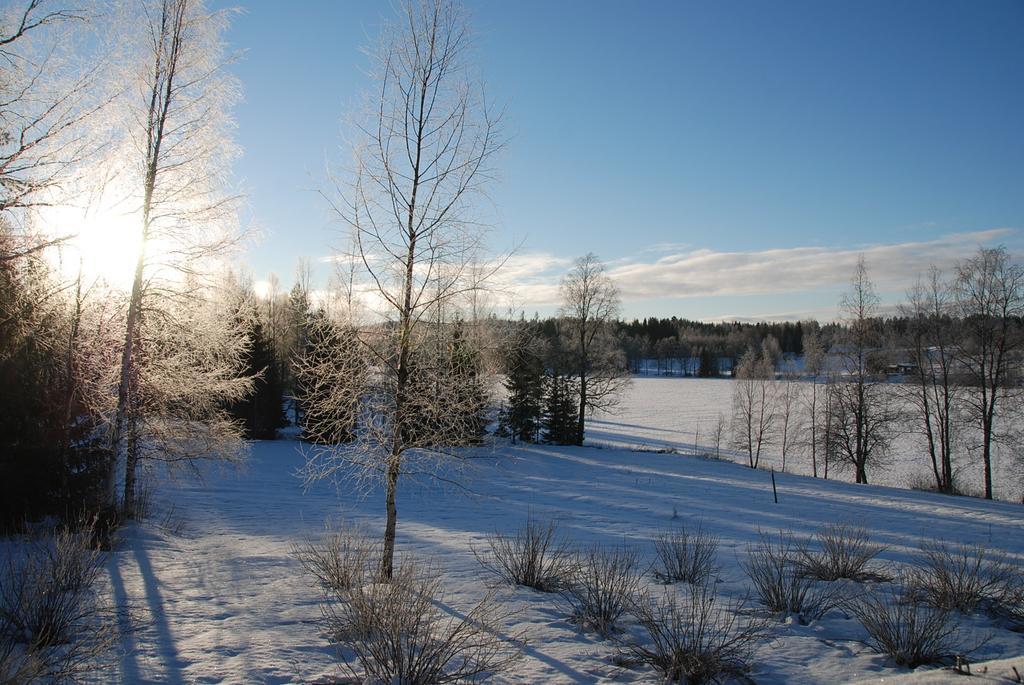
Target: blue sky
(727, 159)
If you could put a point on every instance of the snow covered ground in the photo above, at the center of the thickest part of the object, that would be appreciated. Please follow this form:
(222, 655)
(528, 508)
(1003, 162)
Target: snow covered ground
(678, 413)
(223, 601)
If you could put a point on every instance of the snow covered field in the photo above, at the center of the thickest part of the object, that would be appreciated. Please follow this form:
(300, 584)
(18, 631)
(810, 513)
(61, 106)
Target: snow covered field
(676, 413)
(223, 601)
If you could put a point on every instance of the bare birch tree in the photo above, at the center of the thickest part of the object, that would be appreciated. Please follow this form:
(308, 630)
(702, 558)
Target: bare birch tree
(590, 304)
(813, 399)
(753, 406)
(989, 292)
(934, 393)
(178, 153)
(423, 153)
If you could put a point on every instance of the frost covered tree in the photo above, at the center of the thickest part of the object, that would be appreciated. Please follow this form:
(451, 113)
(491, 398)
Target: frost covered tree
(177, 367)
(261, 413)
(423, 150)
(590, 305)
(49, 92)
(330, 376)
(989, 294)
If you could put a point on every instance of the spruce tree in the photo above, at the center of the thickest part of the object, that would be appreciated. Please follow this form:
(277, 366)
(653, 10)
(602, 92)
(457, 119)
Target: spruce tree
(560, 417)
(326, 374)
(524, 384)
(470, 393)
(262, 412)
(708, 364)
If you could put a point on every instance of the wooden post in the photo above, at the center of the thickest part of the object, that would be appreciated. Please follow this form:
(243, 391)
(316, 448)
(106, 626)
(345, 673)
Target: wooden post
(775, 492)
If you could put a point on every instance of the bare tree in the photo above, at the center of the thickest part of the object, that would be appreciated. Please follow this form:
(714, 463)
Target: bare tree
(862, 412)
(424, 151)
(176, 115)
(790, 427)
(989, 293)
(935, 395)
(753, 405)
(590, 303)
(813, 398)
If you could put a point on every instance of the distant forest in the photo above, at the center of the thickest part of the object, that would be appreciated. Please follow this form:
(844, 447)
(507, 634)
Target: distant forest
(718, 344)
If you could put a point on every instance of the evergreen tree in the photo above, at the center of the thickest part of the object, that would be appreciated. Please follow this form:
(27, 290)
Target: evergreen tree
(560, 410)
(524, 384)
(327, 375)
(449, 404)
(708, 363)
(296, 340)
(261, 412)
(470, 393)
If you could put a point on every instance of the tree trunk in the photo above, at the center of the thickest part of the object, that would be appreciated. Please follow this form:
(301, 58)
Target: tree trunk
(581, 417)
(387, 560)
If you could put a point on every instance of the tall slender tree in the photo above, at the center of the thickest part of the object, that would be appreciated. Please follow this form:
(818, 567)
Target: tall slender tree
(935, 393)
(176, 116)
(424, 150)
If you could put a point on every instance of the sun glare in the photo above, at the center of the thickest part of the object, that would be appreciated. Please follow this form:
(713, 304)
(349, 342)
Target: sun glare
(104, 242)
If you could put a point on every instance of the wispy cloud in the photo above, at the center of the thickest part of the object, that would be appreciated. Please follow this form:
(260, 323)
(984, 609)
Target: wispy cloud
(670, 271)
(705, 273)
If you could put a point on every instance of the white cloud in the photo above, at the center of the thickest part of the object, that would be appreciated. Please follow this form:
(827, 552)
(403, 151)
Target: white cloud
(669, 271)
(705, 273)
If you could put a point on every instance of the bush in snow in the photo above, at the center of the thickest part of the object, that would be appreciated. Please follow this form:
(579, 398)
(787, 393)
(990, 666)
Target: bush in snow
(54, 625)
(603, 586)
(844, 551)
(685, 555)
(691, 638)
(397, 632)
(907, 629)
(340, 560)
(967, 577)
(536, 556)
(781, 586)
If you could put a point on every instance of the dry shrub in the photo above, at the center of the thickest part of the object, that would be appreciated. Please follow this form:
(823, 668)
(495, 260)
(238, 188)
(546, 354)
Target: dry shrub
(907, 629)
(685, 555)
(844, 552)
(603, 587)
(780, 583)
(693, 639)
(398, 632)
(536, 556)
(341, 559)
(54, 623)
(965, 578)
